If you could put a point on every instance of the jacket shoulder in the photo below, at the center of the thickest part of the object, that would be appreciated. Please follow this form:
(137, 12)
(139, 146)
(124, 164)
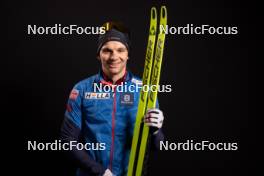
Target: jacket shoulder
(136, 80)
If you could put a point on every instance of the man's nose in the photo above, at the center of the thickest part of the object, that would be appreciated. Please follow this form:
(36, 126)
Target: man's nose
(114, 55)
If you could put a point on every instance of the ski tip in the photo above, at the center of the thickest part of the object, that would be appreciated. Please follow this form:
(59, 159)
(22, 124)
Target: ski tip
(163, 12)
(153, 13)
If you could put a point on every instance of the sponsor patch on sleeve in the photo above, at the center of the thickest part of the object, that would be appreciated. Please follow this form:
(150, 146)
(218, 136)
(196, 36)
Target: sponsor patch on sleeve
(68, 108)
(74, 94)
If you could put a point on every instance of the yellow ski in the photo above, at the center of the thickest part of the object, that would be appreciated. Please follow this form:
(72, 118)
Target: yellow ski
(143, 95)
(155, 77)
(147, 100)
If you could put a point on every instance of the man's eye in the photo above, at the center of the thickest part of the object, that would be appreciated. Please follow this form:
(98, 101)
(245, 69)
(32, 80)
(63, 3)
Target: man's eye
(106, 50)
(121, 50)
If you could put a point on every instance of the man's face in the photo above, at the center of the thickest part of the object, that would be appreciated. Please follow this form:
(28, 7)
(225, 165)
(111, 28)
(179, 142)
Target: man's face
(113, 56)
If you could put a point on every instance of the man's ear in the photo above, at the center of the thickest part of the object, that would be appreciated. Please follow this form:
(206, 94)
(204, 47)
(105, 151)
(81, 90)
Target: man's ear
(98, 58)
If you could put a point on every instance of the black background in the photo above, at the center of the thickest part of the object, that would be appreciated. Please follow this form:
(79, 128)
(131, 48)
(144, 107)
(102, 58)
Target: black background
(212, 78)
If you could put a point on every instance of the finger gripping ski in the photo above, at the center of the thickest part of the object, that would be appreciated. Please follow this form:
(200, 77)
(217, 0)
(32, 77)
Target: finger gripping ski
(151, 76)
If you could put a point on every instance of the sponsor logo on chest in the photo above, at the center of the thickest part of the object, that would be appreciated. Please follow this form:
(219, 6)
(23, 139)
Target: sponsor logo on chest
(94, 95)
(127, 99)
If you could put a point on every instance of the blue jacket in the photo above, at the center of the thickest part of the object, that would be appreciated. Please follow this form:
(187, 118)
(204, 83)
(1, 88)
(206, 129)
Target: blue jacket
(104, 120)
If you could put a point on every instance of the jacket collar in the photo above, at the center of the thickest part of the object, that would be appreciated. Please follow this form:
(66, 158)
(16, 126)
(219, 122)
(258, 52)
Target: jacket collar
(102, 78)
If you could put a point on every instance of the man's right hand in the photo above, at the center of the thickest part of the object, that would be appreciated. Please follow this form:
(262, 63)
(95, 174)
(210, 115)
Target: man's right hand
(108, 173)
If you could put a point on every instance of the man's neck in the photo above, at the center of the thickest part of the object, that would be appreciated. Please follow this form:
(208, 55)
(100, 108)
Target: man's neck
(116, 77)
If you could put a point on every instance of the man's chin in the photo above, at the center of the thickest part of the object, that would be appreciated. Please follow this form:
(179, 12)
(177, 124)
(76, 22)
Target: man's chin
(114, 71)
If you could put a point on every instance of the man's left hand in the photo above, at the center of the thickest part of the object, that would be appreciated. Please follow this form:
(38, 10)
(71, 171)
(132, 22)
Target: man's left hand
(154, 119)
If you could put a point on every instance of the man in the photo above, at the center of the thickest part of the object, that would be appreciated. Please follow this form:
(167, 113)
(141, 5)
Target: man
(107, 119)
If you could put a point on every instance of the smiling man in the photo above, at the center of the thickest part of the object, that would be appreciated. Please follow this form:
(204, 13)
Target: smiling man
(114, 56)
(107, 118)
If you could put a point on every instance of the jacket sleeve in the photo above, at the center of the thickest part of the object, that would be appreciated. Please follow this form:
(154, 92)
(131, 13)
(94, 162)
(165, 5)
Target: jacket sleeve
(156, 138)
(71, 130)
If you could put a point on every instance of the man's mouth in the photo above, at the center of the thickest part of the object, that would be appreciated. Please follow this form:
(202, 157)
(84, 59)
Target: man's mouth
(113, 65)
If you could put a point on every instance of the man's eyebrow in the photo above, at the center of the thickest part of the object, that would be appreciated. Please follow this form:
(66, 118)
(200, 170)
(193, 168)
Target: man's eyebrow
(106, 49)
(109, 49)
(122, 47)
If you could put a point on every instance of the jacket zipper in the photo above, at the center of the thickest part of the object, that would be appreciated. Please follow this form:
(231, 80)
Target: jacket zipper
(113, 132)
